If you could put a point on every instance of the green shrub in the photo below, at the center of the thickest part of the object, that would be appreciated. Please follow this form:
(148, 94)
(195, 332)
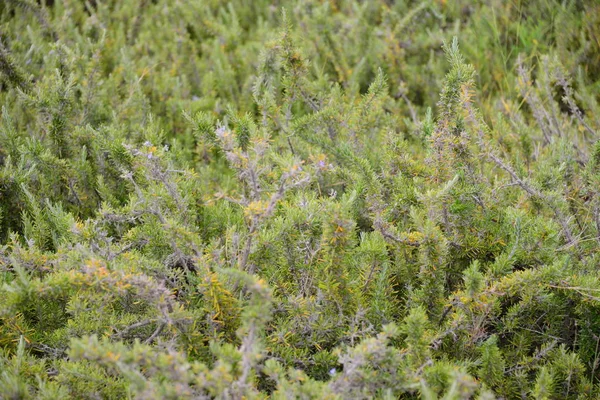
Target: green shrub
(313, 199)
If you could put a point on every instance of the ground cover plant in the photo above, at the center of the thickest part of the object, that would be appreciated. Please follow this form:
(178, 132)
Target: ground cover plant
(299, 199)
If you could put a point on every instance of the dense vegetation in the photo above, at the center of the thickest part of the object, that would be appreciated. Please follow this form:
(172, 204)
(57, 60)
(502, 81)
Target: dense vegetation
(299, 199)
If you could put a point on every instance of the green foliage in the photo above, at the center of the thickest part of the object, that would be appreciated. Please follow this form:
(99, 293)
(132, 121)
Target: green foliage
(318, 199)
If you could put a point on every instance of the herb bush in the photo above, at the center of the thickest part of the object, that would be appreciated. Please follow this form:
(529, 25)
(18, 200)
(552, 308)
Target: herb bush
(299, 199)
